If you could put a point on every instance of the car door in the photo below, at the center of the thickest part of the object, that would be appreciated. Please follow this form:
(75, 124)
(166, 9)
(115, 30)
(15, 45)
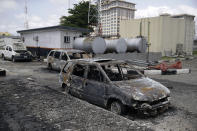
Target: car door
(63, 59)
(94, 86)
(56, 61)
(77, 80)
(50, 57)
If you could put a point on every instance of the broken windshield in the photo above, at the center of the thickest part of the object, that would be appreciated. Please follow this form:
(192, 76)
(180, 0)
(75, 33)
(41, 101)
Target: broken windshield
(120, 72)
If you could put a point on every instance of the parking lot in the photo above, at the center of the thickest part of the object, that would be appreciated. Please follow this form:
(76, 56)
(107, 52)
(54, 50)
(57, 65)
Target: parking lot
(31, 99)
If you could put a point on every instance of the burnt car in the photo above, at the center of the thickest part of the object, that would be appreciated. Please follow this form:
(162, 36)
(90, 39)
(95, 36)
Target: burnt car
(56, 59)
(115, 85)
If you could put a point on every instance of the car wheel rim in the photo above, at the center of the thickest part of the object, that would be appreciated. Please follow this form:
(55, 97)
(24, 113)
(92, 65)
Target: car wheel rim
(115, 108)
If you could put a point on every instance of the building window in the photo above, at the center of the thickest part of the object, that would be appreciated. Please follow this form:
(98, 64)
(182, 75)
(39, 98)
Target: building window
(66, 39)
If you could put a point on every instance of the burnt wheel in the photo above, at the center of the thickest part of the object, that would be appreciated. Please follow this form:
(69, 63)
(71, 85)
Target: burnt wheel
(65, 88)
(50, 66)
(117, 107)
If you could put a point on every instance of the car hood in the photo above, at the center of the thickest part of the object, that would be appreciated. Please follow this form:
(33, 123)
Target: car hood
(143, 89)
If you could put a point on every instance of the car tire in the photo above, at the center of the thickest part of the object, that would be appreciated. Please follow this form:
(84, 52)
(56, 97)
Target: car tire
(117, 107)
(13, 59)
(65, 88)
(50, 66)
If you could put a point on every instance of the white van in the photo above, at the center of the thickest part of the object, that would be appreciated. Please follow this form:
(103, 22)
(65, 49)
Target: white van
(16, 51)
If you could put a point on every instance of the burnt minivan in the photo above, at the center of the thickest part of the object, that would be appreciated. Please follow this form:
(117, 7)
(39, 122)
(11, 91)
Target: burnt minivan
(115, 85)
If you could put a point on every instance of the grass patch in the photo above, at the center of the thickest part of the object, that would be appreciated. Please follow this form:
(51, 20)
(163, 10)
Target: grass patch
(167, 58)
(195, 52)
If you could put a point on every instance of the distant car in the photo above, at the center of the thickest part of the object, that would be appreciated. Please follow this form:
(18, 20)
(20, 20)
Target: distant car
(56, 59)
(114, 85)
(15, 52)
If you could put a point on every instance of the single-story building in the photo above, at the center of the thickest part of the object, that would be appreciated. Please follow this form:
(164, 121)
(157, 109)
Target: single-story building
(167, 33)
(41, 40)
(9, 40)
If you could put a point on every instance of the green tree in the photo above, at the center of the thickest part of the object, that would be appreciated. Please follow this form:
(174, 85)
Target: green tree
(79, 16)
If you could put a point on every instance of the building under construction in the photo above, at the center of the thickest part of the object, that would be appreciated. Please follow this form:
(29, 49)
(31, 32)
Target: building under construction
(112, 12)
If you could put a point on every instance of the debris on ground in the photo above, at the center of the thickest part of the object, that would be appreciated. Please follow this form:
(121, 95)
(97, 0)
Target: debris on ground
(2, 72)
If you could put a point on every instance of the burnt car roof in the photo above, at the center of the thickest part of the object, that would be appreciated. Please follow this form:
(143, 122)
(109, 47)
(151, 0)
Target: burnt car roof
(99, 61)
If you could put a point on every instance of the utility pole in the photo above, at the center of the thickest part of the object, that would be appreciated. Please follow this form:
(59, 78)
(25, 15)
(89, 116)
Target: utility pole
(148, 44)
(97, 16)
(26, 16)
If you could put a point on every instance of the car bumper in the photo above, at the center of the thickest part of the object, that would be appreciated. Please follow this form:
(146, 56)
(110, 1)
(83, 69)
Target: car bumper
(22, 57)
(155, 108)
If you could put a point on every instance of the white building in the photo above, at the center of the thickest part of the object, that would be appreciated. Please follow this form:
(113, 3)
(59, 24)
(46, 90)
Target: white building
(9, 40)
(112, 12)
(48, 38)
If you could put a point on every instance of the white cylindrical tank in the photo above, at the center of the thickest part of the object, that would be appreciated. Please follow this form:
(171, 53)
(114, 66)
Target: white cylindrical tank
(116, 45)
(83, 43)
(136, 44)
(98, 45)
(90, 44)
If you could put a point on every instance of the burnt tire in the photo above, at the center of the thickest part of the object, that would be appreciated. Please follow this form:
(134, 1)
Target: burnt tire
(117, 108)
(50, 66)
(2, 72)
(65, 88)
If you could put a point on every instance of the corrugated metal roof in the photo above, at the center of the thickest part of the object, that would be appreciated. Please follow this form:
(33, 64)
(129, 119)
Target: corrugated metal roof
(59, 27)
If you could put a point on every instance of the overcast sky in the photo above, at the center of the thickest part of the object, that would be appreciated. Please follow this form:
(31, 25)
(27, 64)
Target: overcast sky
(43, 13)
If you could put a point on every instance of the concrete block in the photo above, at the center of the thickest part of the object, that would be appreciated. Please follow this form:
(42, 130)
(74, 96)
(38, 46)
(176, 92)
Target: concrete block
(152, 72)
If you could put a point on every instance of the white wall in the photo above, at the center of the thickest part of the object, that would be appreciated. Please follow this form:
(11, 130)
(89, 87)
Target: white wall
(52, 39)
(72, 34)
(46, 39)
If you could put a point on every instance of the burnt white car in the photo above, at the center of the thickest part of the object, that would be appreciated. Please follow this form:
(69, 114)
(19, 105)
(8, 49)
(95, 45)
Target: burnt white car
(115, 85)
(56, 59)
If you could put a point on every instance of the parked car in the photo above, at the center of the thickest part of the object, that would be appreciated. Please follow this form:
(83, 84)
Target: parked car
(15, 52)
(58, 58)
(115, 85)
